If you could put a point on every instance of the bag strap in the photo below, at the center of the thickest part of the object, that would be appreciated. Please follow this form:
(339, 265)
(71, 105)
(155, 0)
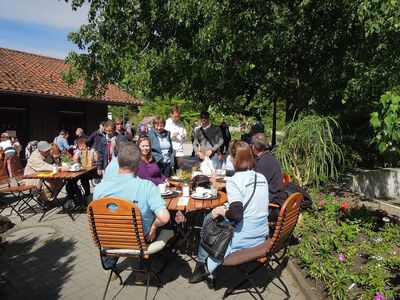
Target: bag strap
(206, 136)
(254, 190)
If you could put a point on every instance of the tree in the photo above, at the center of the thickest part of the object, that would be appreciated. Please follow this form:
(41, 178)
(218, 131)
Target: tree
(330, 57)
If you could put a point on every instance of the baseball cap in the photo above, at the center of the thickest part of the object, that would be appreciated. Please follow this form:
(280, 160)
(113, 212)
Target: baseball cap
(43, 146)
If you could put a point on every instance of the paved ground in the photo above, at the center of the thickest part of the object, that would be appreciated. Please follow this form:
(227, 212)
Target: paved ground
(56, 259)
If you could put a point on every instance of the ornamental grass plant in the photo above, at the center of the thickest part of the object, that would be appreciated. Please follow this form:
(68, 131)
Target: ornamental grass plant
(352, 250)
(308, 151)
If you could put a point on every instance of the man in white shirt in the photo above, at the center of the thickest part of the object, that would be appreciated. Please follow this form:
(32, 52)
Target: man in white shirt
(178, 134)
(6, 145)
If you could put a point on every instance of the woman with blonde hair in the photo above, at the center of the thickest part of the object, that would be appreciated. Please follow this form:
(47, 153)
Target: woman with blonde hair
(148, 168)
(161, 146)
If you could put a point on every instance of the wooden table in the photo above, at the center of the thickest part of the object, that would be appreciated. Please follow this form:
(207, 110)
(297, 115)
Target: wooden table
(196, 204)
(64, 176)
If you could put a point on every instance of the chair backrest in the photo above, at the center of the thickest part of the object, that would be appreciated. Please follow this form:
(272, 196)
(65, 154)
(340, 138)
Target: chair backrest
(285, 179)
(116, 224)
(286, 223)
(15, 166)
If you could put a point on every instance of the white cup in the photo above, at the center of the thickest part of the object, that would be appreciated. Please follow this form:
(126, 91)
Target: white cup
(200, 191)
(162, 187)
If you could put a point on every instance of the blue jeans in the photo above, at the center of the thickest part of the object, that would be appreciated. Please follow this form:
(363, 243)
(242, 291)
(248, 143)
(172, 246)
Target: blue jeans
(217, 164)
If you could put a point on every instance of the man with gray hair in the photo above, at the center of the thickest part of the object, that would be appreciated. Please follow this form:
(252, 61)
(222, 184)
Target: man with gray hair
(143, 193)
(37, 163)
(267, 164)
(80, 135)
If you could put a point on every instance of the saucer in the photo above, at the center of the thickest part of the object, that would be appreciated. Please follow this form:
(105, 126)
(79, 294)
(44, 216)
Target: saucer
(201, 197)
(166, 193)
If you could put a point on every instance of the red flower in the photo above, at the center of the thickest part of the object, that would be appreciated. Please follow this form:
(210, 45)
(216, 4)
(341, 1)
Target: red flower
(321, 203)
(345, 206)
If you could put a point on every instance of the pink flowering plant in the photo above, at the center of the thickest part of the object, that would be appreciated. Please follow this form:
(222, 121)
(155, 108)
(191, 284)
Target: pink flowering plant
(352, 250)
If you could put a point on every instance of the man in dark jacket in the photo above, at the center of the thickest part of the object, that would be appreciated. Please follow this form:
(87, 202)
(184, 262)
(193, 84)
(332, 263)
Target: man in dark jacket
(95, 137)
(267, 164)
(226, 135)
(107, 142)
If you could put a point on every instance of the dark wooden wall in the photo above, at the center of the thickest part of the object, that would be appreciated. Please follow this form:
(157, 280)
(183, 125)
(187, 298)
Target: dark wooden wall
(39, 118)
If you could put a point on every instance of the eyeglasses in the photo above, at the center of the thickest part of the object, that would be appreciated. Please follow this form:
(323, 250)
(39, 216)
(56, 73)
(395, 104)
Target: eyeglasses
(118, 124)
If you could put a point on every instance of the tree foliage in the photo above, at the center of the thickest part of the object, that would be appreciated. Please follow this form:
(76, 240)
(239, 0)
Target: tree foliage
(330, 57)
(386, 122)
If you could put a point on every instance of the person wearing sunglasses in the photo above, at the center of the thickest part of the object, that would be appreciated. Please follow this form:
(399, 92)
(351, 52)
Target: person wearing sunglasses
(208, 140)
(120, 128)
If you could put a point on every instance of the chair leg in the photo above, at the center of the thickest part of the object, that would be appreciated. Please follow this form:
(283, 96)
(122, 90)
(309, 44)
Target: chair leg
(231, 290)
(285, 288)
(108, 283)
(247, 278)
(14, 208)
(256, 289)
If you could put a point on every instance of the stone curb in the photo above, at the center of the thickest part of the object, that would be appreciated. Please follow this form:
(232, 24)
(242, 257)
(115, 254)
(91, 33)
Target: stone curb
(302, 282)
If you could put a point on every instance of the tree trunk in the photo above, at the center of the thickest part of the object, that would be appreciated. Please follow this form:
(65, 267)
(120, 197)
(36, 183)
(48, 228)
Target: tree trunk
(274, 125)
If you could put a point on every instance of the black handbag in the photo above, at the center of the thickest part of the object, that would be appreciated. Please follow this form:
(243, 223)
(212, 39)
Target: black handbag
(216, 235)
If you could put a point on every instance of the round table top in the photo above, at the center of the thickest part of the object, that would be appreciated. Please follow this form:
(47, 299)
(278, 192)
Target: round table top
(196, 204)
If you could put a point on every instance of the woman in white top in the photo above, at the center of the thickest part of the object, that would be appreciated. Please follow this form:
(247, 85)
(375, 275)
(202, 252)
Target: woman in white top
(251, 224)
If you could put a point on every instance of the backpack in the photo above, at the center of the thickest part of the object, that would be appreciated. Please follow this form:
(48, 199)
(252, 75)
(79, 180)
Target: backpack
(281, 197)
(32, 146)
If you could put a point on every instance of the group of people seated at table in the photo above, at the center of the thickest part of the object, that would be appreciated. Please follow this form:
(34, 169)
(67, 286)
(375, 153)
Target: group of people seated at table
(251, 226)
(132, 171)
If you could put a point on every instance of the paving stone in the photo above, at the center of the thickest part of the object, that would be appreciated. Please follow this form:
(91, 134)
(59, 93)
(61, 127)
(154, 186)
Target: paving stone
(66, 265)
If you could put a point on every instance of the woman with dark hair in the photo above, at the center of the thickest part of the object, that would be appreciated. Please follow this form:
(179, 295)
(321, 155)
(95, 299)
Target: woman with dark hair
(251, 221)
(161, 146)
(148, 168)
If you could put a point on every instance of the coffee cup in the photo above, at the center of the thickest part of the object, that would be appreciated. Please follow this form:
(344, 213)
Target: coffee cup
(162, 188)
(200, 191)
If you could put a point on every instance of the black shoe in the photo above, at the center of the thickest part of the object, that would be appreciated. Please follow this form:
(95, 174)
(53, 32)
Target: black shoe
(211, 283)
(199, 274)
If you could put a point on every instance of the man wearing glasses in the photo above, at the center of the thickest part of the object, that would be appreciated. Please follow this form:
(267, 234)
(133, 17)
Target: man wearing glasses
(207, 140)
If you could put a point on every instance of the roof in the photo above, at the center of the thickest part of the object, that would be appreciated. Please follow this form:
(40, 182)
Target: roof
(41, 75)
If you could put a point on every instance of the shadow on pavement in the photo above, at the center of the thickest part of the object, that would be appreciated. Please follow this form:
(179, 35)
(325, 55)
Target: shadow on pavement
(33, 269)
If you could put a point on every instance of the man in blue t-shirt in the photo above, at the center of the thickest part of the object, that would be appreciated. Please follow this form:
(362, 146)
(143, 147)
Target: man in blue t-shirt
(143, 193)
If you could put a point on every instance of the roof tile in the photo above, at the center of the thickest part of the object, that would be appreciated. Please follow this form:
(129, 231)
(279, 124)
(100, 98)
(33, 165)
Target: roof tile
(28, 72)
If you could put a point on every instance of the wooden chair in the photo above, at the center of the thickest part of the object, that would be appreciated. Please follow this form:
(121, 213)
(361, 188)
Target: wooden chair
(285, 179)
(266, 253)
(22, 194)
(116, 227)
(16, 169)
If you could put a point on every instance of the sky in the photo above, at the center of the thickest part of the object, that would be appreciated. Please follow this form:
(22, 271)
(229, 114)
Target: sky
(39, 26)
